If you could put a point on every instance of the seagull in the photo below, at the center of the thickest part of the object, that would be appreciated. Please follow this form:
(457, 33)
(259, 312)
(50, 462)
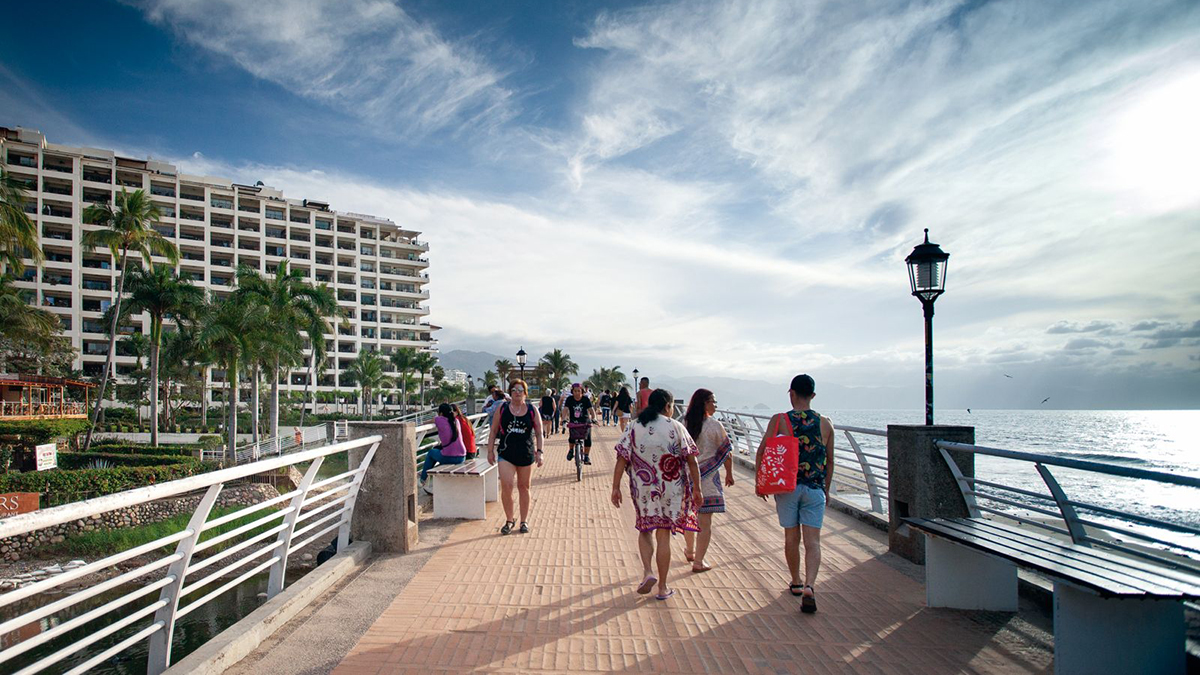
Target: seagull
(968, 411)
(1045, 399)
(1008, 376)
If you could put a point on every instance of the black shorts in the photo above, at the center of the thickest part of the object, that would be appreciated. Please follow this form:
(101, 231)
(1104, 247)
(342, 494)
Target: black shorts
(517, 456)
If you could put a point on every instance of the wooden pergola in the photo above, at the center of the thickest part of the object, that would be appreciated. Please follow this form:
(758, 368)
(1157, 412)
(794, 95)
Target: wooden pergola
(26, 397)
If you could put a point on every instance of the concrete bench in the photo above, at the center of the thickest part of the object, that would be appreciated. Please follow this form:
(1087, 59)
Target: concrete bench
(463, 490)
(1112, 613)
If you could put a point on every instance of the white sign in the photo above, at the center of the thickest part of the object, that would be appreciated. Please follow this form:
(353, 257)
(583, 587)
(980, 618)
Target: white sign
(47, 456)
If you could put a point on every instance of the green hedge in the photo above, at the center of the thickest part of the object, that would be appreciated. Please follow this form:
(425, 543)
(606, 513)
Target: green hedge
(61, 485)
(116, 445)
(35, 432)
(81, 460)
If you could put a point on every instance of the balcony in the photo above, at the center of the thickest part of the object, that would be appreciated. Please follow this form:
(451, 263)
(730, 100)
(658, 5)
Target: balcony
(300, 236)
(324, 225)
(95, 348)
(59, 164)
(96, 197)
(300, 255)
(221, 263)
(95, 305)
(247, 225)
(130, 182)
(162, 191)
(225, 224)
(218, 203)
(56, 211)
(276, 233)
(276, 251)
(97, 264)
(220, 281)
(248, 245)
(22, 160)
(93, 326)
(221, 244)
(56, 278)
(97, 176)
(164, 230)
(190, 236)
(188, 215)
(61, 235)
(97, 285)
(298, 218)
(274, 214)
(57, 257)
(57, 189)
(166, 211)
(189, 255)
(324, 260)
(192, 196)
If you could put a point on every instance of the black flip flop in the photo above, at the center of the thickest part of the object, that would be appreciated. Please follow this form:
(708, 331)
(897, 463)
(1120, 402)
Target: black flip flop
(808, 603)
(796, 589)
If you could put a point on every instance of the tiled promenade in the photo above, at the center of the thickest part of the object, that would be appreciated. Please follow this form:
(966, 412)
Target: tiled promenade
(561, 599)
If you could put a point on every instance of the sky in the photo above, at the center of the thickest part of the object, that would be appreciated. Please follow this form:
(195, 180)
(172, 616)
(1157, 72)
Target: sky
(706, 189)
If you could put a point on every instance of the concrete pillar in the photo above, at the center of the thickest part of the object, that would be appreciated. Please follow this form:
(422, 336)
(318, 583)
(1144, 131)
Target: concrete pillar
(385, 513)
(920, 485)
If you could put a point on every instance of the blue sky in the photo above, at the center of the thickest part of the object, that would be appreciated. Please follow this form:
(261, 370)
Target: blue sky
(737, 183)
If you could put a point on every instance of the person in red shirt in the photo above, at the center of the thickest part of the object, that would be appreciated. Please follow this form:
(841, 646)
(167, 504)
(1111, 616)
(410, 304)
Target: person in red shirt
(468, 432)
(643, 396)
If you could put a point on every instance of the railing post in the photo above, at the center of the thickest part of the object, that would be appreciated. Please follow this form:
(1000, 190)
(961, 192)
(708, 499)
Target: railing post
(160, 643)
(348, 511)
(920, 485)
(385, 512)
(275, 581)
(1070, 517)
(868, 474)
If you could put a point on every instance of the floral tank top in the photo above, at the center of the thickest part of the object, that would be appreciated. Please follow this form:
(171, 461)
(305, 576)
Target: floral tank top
(806, 427)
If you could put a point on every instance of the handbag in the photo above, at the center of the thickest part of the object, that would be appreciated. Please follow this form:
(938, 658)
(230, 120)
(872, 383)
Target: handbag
(780, 462)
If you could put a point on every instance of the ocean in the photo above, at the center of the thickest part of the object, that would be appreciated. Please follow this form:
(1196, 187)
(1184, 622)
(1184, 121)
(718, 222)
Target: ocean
(1161, 440)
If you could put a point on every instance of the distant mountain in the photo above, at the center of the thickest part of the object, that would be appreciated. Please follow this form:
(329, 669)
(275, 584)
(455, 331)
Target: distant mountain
(475, 363)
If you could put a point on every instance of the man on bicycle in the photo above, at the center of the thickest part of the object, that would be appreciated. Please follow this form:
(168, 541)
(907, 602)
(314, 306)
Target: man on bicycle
(579, 412)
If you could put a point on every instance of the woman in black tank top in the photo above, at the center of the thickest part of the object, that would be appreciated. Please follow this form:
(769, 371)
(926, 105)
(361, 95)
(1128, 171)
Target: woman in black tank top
(518, 428)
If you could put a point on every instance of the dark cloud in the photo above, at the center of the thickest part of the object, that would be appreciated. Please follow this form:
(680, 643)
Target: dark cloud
(1146, 325)
(1177, 331)
(1123, 352)
(1098, 327)
(1161, 343)
(1084, 343)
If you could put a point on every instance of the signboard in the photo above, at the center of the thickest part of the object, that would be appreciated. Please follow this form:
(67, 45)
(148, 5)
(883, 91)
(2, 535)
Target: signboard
(47, 456)
(12, 503)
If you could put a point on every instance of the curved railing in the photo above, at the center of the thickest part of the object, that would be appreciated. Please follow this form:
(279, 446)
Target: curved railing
(860, 471)
(202, 561)
(1112, 526)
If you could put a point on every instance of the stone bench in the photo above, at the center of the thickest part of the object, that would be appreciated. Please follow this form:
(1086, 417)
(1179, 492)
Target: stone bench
(1112, 613)
(463, 490)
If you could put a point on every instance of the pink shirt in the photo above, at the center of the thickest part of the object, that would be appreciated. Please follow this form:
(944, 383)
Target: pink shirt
(455, 449)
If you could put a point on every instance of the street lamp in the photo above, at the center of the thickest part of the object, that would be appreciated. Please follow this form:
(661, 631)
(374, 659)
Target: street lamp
(635, 380)
(521, 361)
(927, 276)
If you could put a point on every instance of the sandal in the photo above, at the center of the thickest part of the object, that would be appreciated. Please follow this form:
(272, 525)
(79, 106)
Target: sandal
(508, 526)
(647, 584)
(524, 528)
(796, 589)
(808, 603)
(689, 555)
(664, 596)
(702, 567)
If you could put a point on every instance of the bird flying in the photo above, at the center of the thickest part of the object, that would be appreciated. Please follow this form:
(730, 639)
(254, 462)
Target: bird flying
(1045, 399)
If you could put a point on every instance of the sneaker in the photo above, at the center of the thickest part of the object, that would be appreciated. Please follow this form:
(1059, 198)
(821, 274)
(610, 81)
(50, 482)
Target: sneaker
(587, 460)
(524, 528)
(425, 487)
(571, 454)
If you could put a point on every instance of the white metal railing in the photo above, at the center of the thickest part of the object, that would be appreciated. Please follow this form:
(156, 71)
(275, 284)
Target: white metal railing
(293, 520)
(865, 475)
(1111, 526)
(271, 447)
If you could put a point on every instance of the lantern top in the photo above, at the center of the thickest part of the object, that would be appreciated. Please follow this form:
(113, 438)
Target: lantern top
(521, 356)
(927, 252)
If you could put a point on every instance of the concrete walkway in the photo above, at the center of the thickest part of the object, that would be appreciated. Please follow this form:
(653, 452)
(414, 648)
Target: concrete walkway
(561, 599)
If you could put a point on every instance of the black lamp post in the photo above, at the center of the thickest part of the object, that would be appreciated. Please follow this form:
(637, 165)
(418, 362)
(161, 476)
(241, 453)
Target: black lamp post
(927, 276)
(635, 380)
(521, 361)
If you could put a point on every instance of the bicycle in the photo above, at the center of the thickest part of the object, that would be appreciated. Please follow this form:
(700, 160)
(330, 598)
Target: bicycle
(576, 435)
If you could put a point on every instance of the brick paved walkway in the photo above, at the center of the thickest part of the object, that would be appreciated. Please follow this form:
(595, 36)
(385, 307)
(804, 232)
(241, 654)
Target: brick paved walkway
(561, 599)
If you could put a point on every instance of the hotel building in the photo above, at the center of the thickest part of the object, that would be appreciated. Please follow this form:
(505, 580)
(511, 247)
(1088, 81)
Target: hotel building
(377, 269)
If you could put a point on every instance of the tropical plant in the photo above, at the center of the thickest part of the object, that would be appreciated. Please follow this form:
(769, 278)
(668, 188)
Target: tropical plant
(295, 309)
(228, 331)
(367, 372)
(125, 227)
(18, 233)
(426, 362)
(490, 380)
(446, 392)
(20, 321)
(560, 366)
(503, 368)
(161, 294)
(606, 378)
(405, 361)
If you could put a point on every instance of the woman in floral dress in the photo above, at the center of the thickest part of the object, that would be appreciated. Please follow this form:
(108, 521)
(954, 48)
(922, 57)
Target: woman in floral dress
(715, 451)
(659, 456)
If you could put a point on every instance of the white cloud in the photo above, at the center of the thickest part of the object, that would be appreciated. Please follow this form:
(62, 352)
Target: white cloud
(368, 58)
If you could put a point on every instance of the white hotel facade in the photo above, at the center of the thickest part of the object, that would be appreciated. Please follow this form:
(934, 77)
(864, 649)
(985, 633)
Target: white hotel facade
(377, 269)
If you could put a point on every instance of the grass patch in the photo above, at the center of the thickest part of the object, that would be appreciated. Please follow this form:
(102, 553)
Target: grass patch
(103, 542)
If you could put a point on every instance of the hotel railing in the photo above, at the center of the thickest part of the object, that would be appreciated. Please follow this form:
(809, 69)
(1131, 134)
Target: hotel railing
(1111, 526)
(295, 520)
(861, 471)
(24, 409)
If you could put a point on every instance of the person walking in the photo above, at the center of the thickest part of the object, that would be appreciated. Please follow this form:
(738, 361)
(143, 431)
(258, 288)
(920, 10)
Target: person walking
(623, 407)
(715, 451)
(643, 396)
(519, 430)
(605, 406)
(547, 410)
(659, 456)
(450, 448)
(802, 511)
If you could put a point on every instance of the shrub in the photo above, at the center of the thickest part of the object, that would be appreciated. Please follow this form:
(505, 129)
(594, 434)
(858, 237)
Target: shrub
(82, 460)
(117, 445)
(35, 432)
(61, 485)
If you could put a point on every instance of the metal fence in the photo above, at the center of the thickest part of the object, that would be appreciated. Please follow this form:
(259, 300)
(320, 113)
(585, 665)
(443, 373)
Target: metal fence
(1112, 526)
(274, 446)
(203, 562)
(860, 474)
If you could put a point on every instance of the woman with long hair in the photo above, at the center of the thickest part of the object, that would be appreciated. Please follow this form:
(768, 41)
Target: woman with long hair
(624, 406)
(715, 451)
(659, 456)
(468, 432)
(518, 428)
(450, 448)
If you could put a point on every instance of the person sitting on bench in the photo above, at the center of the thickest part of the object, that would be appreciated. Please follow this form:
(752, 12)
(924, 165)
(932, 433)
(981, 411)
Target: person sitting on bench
(450, 448)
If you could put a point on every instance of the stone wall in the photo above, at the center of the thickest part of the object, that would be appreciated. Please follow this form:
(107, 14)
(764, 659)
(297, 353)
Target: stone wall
(12, 548)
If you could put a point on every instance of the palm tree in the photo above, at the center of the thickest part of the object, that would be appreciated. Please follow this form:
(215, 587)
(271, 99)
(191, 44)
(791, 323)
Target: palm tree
(503, 368)
(426, 361)
(560, 366)
(125, 227)
(18, 234)
(159, 292)
(367, 372)
(228, 331)
(21, 322)
(490, 380)
(405, 360)
(445, 392)
(294, 308)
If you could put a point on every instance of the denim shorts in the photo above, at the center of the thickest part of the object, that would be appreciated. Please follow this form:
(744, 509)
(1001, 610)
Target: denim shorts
(803, 506)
